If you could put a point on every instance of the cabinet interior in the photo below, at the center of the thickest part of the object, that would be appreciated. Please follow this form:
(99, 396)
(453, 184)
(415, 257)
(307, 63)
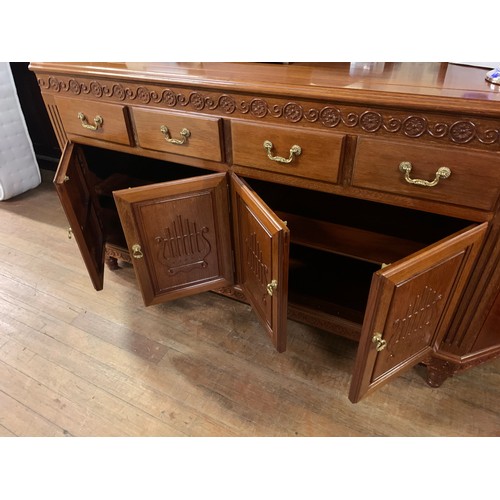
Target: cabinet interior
(337, 243)
(110, 171)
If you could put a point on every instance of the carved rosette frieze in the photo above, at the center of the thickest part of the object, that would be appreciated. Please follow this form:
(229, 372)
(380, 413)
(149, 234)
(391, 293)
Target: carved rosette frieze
(330, 116)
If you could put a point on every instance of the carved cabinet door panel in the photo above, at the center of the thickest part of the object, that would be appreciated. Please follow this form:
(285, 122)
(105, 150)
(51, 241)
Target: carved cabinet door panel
(262, 243)
(78, 204)
(178, 235)
(410, 305)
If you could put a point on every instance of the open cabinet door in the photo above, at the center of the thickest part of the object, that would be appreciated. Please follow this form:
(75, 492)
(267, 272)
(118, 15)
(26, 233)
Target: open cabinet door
(179, 236)
(410, 306)
(262, 243)
(80, 210)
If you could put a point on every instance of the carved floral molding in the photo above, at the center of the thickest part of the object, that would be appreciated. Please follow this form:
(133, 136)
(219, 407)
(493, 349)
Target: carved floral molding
(413, 126)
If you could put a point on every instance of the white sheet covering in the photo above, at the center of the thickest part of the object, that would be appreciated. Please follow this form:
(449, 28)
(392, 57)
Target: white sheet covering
(19, 170)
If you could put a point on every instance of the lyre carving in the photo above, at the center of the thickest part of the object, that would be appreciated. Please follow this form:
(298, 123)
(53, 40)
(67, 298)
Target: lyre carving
(255, 263)
(418, 316)
(183, 246)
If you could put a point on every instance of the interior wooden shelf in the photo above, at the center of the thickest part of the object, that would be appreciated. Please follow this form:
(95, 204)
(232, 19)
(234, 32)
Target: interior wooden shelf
(329, 283)
(350, 241)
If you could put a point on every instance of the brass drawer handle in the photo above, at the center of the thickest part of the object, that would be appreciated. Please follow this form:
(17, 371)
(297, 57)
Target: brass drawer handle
(137, 251)
(185, 133)
(380, 343)
(294, 151)
(405, 167)
(85, 124)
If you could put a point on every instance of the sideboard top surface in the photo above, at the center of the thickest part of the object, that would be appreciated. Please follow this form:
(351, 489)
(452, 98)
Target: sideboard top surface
(436, 86)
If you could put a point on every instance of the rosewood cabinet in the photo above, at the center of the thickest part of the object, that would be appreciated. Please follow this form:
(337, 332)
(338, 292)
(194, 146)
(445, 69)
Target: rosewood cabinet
(363, 204)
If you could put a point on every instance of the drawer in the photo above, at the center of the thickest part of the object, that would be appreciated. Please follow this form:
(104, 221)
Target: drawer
(80, 117)
(180, 133)
(319, 158)
(473, 181)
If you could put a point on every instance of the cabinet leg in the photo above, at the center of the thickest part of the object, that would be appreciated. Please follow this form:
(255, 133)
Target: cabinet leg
(436, 376)
(113, 254)
(112, 263)
(438, 370)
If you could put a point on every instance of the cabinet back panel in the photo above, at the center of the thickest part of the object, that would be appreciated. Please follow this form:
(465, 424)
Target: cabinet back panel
(329, 283)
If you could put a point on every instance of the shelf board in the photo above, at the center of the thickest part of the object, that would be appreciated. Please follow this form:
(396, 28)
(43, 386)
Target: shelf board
(353, 242)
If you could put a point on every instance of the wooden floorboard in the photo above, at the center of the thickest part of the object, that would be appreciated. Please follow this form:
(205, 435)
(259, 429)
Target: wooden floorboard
(76, 362)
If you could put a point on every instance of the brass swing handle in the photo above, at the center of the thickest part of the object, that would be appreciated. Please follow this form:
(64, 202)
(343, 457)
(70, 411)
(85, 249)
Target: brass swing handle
(185, 133)
(442, 173)
(85, 124)
(380, 343)
(137, 251)
(294, 151)
(271, 287)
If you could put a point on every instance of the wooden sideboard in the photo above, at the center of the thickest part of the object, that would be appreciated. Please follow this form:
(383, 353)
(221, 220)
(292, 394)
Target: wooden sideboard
(360, 198)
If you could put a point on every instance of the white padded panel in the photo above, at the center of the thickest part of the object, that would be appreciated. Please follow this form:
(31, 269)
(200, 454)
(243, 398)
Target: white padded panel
(19, 170)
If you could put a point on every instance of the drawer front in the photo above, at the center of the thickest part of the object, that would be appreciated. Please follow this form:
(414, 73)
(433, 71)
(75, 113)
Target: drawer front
(180, 133)
(319, 158)
(473, 180)
(81, 118)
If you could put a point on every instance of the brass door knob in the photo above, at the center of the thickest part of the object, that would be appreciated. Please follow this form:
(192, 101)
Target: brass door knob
(380, 343)
(271, 287)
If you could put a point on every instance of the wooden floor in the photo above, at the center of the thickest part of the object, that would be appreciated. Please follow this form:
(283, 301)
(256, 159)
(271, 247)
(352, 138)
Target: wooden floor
(76, 362)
